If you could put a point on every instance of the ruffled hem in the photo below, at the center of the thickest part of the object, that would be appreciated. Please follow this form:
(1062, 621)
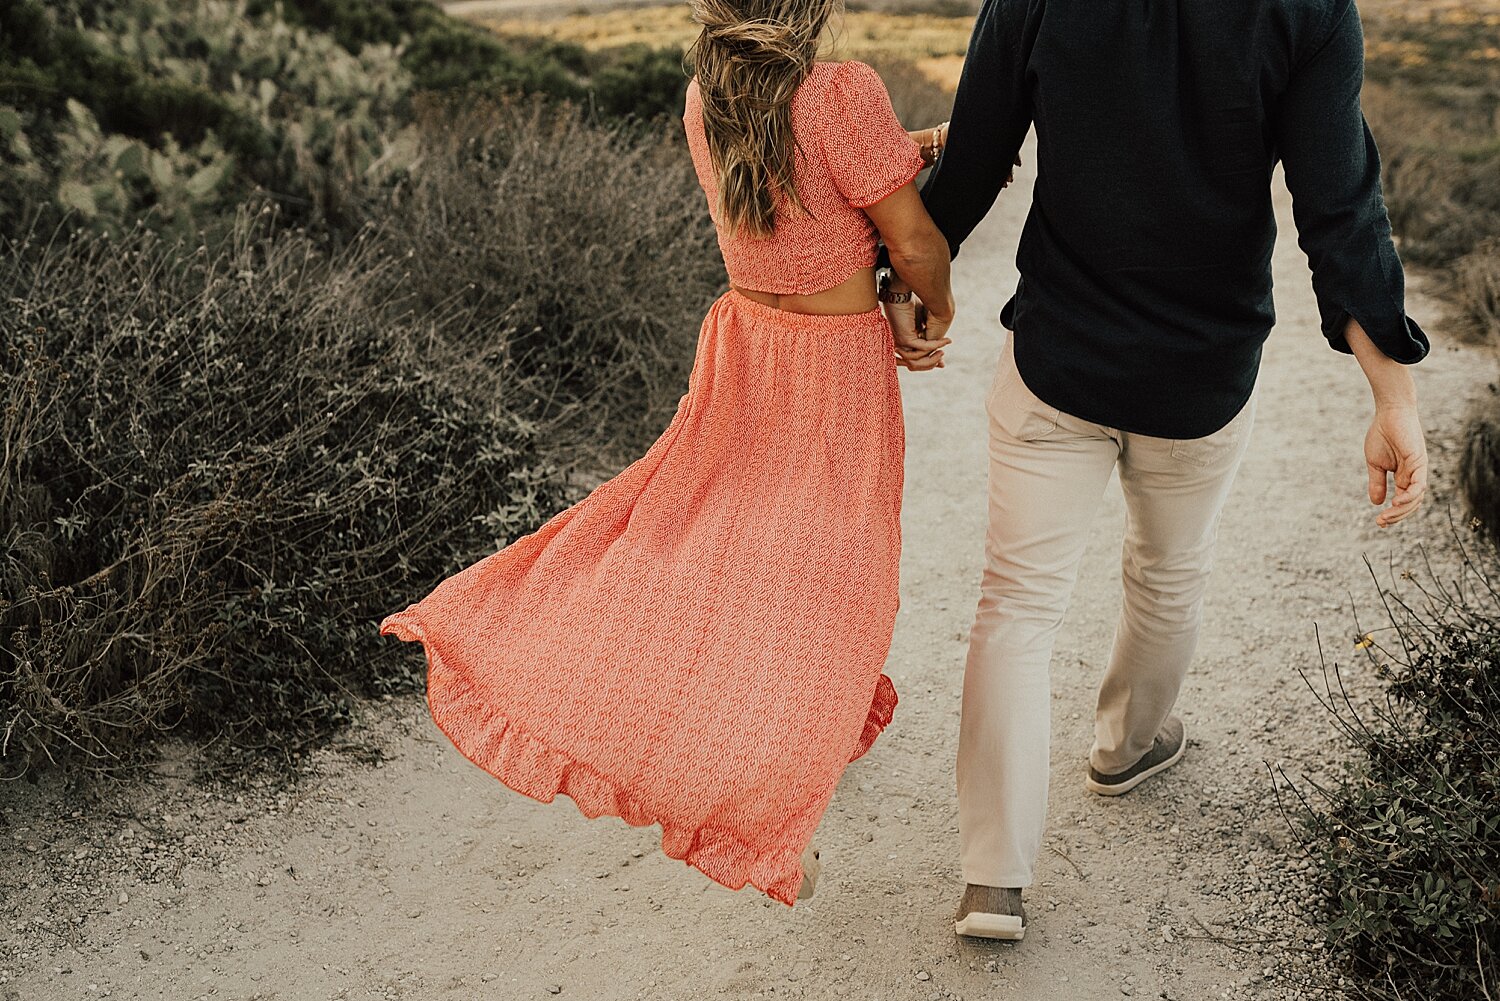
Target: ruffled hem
(533, 768)
(882, 709)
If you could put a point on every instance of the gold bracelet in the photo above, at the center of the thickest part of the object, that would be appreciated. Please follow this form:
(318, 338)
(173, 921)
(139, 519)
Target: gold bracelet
(933, 149)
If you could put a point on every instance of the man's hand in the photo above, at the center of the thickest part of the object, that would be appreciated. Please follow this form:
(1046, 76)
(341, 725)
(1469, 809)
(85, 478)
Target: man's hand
(1011, 177)
(1395, 446)
(919, 341)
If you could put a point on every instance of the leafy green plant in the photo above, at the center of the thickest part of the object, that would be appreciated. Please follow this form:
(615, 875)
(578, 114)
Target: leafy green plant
(168, 112)
(598, 299)
(226, 460)
(1407, 844)
(637, 81)
(222, 467)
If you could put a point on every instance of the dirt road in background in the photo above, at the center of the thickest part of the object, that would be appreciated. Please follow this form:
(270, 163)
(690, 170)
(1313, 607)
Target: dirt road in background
(424, 878)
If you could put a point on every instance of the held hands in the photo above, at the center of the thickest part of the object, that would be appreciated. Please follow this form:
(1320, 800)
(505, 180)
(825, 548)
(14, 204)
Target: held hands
(1394, 446)
(920, 332)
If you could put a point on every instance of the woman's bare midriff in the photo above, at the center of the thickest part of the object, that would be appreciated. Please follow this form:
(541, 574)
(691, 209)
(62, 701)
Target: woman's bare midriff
(855, 294)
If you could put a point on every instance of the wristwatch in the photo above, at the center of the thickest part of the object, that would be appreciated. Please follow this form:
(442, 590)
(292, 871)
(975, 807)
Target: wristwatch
(883, 288)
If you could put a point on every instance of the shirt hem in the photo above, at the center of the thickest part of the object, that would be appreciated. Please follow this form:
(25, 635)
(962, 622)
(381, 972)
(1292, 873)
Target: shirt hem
(1126, 428)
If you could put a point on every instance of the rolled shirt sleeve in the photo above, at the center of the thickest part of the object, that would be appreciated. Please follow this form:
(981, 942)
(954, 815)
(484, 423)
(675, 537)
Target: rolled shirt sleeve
(1332, 169)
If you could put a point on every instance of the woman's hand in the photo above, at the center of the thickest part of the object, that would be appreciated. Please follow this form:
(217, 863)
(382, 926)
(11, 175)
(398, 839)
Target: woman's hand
(931, 142)
(919, 262)
(920, 336)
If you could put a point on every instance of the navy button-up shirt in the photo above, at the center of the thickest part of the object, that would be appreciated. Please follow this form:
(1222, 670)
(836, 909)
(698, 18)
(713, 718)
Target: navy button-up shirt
(1145, 292)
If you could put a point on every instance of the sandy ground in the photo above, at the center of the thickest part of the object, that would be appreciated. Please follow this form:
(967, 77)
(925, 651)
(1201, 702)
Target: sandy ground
(421, 877)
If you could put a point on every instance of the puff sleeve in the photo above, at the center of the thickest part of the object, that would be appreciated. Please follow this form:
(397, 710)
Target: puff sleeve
(867, 151)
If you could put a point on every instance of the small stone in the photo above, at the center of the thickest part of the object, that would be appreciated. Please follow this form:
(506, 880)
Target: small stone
(554, 989)
(923, 975)
(123, 898)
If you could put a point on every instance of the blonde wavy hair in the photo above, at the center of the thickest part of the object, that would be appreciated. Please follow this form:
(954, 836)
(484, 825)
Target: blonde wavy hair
(749, 59)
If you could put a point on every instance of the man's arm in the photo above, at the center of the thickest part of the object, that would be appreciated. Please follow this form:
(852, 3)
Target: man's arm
(990, 118)
(1394, 446)
(1333, 172)
(991, 115)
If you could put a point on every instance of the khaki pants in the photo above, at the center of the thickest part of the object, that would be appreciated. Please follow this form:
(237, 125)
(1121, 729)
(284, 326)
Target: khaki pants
(1048, 471)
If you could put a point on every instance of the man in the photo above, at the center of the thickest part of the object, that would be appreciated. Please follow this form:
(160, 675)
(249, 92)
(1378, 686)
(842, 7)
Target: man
(1137, 326)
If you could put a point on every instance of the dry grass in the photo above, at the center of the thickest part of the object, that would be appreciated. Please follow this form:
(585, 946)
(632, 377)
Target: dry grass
(1433, 100)
(222, 463)
(935, 42)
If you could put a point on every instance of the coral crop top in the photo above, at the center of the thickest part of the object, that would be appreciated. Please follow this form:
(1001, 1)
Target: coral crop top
(857, 153)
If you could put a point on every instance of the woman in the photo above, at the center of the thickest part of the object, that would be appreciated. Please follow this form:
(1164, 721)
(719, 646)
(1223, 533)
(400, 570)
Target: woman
(699, 642)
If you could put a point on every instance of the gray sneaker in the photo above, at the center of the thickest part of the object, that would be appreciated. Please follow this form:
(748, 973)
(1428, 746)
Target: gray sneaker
(990, 912)
(1165, 752)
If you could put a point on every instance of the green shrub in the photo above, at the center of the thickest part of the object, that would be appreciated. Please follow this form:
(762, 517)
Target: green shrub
(590, 248)
(225, 462)
(354, 23)
(222, 467)
(46, 62)
(307, 103)
(292, 112)
(637, 81)
(1408, 844)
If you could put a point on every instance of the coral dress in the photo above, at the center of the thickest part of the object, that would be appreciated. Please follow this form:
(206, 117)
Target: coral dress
(699, 642)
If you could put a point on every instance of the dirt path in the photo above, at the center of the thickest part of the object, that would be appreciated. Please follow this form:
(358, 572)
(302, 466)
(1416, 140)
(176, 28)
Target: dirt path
(423, 878)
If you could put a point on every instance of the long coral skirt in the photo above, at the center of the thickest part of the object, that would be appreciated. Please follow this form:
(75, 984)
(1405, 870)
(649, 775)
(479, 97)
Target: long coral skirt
(699, 642)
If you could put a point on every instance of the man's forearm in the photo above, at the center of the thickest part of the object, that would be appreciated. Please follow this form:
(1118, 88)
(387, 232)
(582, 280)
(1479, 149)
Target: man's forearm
(1390, 380)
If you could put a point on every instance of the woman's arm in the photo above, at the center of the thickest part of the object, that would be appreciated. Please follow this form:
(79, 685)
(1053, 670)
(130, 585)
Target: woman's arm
(919, 254)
